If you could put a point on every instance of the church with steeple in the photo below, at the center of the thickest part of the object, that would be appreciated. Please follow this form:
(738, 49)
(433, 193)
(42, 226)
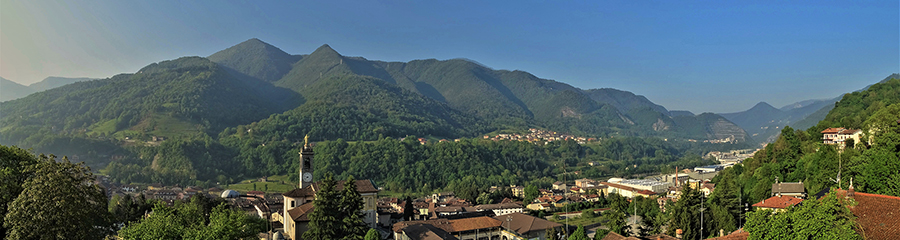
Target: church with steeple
(298, 203)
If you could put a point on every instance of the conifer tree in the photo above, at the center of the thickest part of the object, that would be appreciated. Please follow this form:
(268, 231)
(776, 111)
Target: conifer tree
(351, 203)
(325, 221)
(579, 234)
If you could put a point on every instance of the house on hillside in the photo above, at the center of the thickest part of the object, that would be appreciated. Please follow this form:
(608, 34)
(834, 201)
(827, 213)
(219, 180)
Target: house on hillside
(839, 136)
(778, 203)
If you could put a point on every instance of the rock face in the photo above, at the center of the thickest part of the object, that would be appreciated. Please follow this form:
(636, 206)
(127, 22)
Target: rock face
(660, 125)
(722, 129)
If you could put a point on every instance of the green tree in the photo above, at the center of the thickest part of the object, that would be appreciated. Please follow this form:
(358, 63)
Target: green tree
(228, 224)
(163, 223)
(373, 234)
(551, 234)
(409, 212)
(579, 234)
(587, 213)
(195, 220)
(325, 221)
(601, 233)
(829, 218)
(128, 209)
(14, 165)
(351, 205)
(531, 193)
(37, 213)
(686, 214)
(484, 198)
(616, 221)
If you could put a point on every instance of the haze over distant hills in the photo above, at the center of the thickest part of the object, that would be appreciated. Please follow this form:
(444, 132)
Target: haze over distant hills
(10, 90)
(254, 85)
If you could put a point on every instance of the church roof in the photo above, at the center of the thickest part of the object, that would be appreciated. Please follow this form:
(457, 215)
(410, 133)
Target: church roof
(301, 213)
(363, 186)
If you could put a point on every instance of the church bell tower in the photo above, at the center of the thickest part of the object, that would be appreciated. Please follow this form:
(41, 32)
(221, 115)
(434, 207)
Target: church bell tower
(306, 169)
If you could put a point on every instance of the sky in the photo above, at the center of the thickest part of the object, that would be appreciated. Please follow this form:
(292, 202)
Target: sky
(701, 56)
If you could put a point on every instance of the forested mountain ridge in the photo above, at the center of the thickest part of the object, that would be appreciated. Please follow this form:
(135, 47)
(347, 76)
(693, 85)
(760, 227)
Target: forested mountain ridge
(251, 110)
(191, 94)
(504, 99)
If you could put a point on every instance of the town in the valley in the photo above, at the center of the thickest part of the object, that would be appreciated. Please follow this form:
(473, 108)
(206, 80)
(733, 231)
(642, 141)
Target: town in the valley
(444, 215)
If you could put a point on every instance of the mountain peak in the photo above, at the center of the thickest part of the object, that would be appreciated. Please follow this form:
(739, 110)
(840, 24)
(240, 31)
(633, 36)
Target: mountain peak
(325, 50)
(256, 58)
(763, 106)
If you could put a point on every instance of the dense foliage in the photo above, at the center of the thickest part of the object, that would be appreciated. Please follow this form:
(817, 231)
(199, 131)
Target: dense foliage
(801, 156)
(828, 218)
(200, 218)
(33, 189)
(410, 166)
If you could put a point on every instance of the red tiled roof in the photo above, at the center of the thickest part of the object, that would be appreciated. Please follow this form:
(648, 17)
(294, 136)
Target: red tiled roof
(619, 186)
(739, 234)
(832, 130)
(779, 202)
(849, 131)
(879, 215)
(646, 192)
(452, 226)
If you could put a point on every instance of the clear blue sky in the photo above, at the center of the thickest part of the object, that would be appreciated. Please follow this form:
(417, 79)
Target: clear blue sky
(700, 56)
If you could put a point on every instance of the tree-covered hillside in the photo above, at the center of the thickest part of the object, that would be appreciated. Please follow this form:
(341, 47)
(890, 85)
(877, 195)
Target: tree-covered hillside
(801, 155)
(256, 59)
(169, 99)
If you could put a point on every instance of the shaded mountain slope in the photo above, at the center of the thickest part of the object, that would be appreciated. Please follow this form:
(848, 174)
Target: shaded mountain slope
(256, 59)
(192, 93)
(55, 82)
(10, 90)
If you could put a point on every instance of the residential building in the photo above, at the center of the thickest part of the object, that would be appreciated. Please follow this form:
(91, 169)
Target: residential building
(839, 136)
(778, 203)
(793, 189)
(559, 185)
(501, 208)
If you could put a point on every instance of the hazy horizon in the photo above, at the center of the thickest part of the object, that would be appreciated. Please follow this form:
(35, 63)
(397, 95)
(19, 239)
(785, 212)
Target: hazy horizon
(715, 57)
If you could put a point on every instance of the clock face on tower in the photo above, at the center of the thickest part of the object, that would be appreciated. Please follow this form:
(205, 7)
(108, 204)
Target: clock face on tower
(307, 177)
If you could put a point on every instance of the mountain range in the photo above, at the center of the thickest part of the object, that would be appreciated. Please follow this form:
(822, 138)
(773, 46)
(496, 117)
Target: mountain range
(258, 90)
(10, 90)
(763, 121)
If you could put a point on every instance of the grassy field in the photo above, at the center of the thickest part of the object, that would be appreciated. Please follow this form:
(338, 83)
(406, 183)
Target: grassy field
(275, 184)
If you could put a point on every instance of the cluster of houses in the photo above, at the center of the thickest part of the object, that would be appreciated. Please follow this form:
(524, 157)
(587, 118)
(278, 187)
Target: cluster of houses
(734, 156)
(444, 216)
(539, 135)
